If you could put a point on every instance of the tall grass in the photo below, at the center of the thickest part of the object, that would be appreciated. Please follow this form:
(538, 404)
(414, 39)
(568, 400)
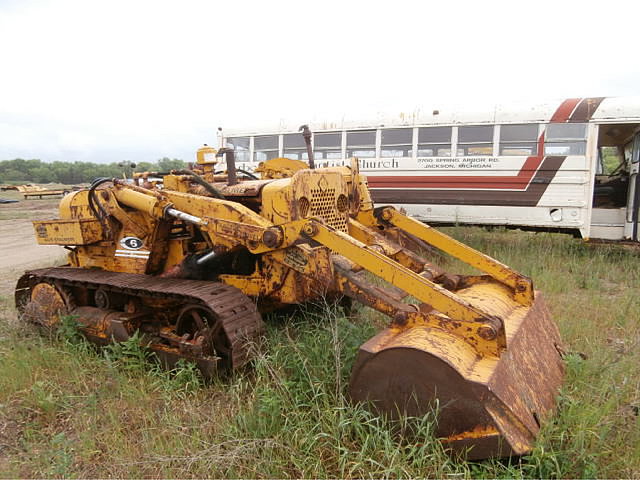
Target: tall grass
(67, 409)
(593, 294)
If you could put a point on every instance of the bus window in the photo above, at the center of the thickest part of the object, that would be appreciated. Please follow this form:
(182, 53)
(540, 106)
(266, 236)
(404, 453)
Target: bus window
(396, 142)
(434, 142)
(361, 144)
(569, 148)
(610, 161)
(327, 146)
(294, 146)
(519, 140)
(565, 139)
(265, 148)
(566, 131)
(475, 140)
(241, 147)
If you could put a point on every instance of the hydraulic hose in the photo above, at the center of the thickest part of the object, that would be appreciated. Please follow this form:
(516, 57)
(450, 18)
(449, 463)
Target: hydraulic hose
(93, 202)
(245, 172)
(248, 174)
(201, 181)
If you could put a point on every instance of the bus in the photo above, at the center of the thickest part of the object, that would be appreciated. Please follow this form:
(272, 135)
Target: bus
(568, 165)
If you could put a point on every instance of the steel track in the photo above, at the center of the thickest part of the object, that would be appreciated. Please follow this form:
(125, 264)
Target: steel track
(240, 318)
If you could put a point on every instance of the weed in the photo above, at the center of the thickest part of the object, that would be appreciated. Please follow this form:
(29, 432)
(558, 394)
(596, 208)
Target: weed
(44, 398)
(182, 380)
(61, 456)
(68, 330)
(131, 355)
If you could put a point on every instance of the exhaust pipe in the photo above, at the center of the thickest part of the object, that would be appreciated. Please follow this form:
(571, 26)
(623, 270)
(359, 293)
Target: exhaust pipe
(306, 133)
(230, 156)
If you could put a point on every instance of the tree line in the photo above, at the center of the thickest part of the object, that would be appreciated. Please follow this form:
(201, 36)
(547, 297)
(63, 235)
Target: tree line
(69, 173)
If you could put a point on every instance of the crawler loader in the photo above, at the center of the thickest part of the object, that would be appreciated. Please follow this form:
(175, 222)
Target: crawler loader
(191, 259)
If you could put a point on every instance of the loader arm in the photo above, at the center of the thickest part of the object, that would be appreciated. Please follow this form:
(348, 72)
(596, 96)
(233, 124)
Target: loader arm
(482, 329)
(522, 286)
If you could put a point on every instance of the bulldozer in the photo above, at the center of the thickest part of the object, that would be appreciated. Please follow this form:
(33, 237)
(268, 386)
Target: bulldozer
(192, 259)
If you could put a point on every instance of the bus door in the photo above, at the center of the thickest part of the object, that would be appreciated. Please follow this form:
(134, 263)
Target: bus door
(632, 225)
(611, 181)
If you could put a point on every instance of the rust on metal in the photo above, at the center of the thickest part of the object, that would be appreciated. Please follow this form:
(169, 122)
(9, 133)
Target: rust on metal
(306, 133)
(486, 406)
(230, 157)
(46, 304)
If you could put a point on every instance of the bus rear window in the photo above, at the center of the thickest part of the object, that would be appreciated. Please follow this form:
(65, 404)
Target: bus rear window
(265, 148)
(475, 150)
(565, 148)
(476, 133)
(294, 146)
(566, 131)
(241, 147)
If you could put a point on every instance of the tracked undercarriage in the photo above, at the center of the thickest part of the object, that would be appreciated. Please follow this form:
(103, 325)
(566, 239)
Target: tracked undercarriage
(212, 324)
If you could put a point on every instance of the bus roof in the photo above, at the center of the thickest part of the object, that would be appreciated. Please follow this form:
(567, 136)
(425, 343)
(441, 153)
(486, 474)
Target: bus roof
(601, 109)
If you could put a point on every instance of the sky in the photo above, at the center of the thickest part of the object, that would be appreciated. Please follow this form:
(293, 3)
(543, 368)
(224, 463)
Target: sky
(113, 80)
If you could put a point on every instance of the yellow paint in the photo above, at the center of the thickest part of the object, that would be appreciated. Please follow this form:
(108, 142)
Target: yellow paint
(206, 154)
(394, 273)
(521, 285)
(175, 253)
(480, 431)
(67, 232)
(279, 168)
(148, 204)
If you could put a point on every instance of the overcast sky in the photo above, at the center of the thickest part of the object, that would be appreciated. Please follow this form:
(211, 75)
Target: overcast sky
(139, 80)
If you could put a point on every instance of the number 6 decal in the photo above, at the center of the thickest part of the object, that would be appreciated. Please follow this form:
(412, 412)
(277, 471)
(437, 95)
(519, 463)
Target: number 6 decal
(131, 243)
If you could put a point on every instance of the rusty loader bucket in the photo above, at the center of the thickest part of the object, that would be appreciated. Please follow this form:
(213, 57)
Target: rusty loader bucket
(487, 405)
(481, 350)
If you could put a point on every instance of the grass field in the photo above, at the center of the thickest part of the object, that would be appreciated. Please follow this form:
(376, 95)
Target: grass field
(67, 410)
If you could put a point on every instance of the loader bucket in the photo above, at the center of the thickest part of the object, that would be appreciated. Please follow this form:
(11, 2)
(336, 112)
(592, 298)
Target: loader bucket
(487, 406)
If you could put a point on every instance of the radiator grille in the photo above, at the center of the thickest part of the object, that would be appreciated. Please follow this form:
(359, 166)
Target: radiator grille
(323, 205)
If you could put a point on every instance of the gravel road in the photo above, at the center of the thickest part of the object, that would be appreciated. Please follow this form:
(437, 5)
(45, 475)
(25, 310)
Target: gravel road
(19, 250)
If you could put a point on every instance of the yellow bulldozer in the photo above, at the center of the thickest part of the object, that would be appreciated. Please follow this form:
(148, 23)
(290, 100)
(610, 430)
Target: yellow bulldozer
(191, 259)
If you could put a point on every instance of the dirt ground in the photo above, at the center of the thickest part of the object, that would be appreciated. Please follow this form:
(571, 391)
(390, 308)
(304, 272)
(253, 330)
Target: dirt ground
(19, 250)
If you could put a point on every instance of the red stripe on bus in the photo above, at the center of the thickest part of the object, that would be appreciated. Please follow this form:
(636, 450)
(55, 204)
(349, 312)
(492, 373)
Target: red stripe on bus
(564, 111)
(528, 198)
(489, 182)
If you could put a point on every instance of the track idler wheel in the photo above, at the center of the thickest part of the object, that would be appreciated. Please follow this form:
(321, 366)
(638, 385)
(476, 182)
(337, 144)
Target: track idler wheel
(46, 305)
(199, 323)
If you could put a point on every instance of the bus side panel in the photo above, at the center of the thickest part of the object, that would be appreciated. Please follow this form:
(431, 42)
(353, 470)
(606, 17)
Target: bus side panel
(556, 197)
(563, 218)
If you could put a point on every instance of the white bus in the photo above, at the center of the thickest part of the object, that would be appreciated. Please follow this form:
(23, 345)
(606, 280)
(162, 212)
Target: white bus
(565, 165)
